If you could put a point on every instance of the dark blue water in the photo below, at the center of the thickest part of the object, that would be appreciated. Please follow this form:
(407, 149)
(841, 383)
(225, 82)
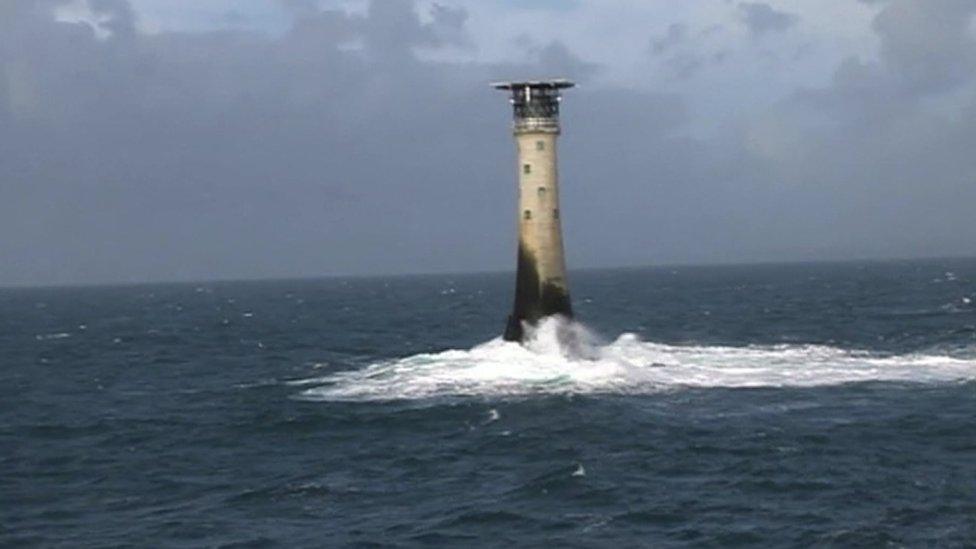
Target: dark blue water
(830, 404)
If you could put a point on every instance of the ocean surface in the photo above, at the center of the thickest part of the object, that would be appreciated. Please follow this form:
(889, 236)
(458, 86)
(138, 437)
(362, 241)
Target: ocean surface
(775, 406)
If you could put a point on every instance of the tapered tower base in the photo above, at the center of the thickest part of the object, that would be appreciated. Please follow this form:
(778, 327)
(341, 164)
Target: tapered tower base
(534, 299)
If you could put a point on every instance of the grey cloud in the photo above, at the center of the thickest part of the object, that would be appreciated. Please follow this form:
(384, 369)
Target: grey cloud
(721, 57)
(711, 30)
(685, 65)
(233, 18)
(558, 58)
(872, 151)
(333, 148)
(681, 62)
(676, 35)
(301, 7)
(761, 18)
(232, 153)
(929, 44)
(555, 57)
(448, 17)
(116, 16)
(449, 25)
(543, 5)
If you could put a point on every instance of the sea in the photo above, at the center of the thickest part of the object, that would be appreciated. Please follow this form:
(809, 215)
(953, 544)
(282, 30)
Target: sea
(794, 405)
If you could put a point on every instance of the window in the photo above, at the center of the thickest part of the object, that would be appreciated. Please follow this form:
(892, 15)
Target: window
(540, 145)
(541, 192)
(555, 213)
(526, 168)
(527, 214)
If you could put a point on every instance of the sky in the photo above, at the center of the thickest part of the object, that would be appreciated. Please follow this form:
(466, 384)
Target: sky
(159, 140)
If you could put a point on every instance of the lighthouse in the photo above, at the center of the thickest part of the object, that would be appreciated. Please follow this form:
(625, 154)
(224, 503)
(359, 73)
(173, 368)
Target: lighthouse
(541, 288)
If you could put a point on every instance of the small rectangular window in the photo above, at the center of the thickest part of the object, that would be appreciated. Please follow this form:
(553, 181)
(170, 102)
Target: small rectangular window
(555, 213)
(526, 168)
(541, 191)
(527, 214)
(540, 145)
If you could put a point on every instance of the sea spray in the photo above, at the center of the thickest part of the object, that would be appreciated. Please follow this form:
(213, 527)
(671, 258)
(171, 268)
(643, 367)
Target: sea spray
(564, 357)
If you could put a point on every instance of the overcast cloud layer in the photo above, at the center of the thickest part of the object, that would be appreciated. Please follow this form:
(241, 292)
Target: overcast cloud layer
(151, 140)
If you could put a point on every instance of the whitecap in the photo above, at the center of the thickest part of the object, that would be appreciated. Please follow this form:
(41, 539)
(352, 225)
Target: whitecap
(45, 337)
(562, 357)
(493, 416)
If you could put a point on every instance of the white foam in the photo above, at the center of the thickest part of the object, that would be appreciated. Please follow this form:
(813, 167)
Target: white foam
(561, 357)
(493, 416)
(45, 337)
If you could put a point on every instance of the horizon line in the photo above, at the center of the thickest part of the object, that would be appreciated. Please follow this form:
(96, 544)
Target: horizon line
(664, 265)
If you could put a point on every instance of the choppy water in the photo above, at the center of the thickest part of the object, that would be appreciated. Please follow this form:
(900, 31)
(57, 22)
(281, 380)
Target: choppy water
(830, 404)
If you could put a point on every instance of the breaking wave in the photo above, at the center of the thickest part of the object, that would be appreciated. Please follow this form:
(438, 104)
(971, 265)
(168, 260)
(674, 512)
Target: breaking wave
(563, 357)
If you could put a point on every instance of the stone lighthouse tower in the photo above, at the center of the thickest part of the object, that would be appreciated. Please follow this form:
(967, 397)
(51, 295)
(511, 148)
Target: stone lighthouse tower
(541, 288)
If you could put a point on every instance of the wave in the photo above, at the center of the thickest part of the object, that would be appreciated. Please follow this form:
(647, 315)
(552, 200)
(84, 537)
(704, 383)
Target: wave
(46, 337)
(564, 357)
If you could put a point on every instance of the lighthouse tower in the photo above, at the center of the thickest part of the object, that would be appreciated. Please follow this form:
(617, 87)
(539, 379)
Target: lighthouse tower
(541, 288)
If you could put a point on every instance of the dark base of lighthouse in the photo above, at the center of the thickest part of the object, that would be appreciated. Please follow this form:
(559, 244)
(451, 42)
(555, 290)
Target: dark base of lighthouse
(534, 300)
